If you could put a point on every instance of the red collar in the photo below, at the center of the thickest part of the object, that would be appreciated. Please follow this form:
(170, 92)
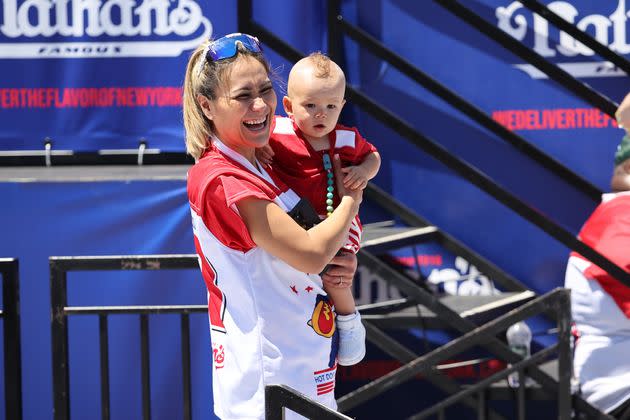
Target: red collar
(332, 138)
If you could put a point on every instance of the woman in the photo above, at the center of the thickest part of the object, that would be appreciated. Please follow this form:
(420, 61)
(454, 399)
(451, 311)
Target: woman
(271, 322)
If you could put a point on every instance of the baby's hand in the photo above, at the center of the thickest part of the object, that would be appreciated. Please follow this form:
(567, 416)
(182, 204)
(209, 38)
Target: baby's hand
(264, 155)
(356, 177)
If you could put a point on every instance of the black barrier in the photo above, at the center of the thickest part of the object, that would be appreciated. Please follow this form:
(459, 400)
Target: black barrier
(556, 302)
(59, 268)
(10, 314)
(279, 397)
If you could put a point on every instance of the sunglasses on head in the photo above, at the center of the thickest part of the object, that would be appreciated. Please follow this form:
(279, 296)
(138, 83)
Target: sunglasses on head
(227, 46)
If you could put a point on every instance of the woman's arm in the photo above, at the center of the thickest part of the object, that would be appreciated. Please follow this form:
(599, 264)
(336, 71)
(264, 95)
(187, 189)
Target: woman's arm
(308, 251)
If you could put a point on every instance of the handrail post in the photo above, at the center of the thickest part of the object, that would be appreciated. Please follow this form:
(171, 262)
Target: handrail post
(59, 336)
(12, 341)
(565, 368)
(334, 34)
(244, 15)
(279, 397)
(273, 403)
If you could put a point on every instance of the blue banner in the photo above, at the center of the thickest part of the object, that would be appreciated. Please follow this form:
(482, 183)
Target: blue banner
(99, 74)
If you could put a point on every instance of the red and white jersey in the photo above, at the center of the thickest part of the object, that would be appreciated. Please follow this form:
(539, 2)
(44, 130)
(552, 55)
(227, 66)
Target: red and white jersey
(301, 167)
(600, 306)
(270, 323)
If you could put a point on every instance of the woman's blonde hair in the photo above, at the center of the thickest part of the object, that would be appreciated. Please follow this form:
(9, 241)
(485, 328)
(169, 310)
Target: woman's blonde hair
(203, 77)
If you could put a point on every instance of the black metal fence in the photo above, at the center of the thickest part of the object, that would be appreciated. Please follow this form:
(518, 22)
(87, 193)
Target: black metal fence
(279, 397)
(555, 303)
(10, 314)
(59, 268)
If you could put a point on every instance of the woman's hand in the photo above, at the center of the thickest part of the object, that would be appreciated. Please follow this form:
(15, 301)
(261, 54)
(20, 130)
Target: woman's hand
(340, 273)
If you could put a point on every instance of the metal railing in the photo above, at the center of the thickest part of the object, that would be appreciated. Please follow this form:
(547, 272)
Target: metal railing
(49, 156)
(409, 217)
(521, 145)
(431, 147)
(281, 397)
(59, 268)
(10, 314)
(585, 38)
(337, 29)
(556, 302)
(563, 78)
(465, 326)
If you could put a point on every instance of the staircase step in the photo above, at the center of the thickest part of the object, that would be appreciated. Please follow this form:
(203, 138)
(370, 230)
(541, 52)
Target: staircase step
(478, 309)
(382, 237)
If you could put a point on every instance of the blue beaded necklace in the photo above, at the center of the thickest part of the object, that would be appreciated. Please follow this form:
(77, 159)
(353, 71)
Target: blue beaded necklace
(330, 189)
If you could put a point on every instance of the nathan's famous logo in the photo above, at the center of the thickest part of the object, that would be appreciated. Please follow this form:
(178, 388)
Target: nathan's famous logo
(113, 28)
(323, 318)
(608, 29)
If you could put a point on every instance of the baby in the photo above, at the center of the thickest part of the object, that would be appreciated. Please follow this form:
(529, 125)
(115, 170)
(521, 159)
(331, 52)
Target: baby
(302, 147)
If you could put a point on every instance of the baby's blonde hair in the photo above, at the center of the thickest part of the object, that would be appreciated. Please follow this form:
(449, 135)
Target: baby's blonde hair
(322, 64)
(323, 68)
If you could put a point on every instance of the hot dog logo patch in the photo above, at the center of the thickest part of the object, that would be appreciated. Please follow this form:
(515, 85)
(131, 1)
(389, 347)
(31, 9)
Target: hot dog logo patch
(323, 319)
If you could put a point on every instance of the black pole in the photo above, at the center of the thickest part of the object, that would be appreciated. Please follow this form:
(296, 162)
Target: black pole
(245, 13)
(12, 341)
(334, 33)
(104, 351)
(145, 367)
(59, 335)
(565, 370)
(186, 373)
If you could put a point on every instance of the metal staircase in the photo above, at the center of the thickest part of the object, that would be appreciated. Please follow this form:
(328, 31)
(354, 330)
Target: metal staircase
(471, 316)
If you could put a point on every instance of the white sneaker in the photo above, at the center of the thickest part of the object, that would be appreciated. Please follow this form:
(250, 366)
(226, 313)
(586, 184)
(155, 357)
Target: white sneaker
(351, 339)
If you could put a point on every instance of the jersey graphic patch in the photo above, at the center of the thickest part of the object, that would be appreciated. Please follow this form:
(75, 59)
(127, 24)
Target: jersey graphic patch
(218, 356)
(323, 318)
(325, 380)
(323, 323)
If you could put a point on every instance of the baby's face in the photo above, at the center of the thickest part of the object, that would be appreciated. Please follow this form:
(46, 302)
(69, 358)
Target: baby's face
(315, 104)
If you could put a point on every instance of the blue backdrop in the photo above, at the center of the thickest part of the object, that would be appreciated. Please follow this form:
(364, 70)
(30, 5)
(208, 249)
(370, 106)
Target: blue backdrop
(112, 77)
(106, 218)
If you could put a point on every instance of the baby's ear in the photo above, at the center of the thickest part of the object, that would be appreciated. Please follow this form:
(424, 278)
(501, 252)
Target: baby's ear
(288, 106)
